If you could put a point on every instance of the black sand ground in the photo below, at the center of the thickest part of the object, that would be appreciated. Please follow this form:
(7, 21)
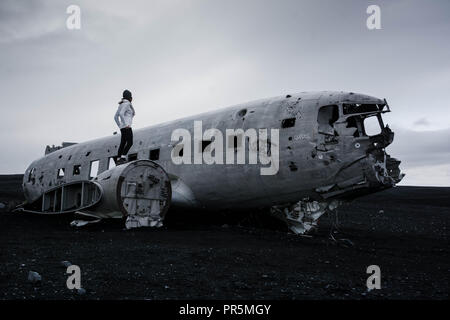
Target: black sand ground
(193, 258)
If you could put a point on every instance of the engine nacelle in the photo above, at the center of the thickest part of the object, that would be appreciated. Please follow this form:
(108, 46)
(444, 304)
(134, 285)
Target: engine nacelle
(139, 190)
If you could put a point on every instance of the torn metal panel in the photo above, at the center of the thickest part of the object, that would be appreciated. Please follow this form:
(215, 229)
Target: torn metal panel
(66, 198)
(302, 217)
(53, 148)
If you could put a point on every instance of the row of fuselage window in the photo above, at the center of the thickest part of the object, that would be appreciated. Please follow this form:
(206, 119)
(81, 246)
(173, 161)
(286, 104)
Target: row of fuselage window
(153, 155)
(94, 165)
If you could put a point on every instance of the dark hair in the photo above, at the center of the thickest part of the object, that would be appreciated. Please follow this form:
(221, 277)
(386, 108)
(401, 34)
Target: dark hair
(127, 95)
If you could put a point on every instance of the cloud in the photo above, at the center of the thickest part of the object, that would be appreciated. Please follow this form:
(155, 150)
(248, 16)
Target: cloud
(27, 20)
(422, 122)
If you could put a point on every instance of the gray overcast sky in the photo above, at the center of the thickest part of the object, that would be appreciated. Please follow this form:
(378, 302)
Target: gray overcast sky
(182, 57)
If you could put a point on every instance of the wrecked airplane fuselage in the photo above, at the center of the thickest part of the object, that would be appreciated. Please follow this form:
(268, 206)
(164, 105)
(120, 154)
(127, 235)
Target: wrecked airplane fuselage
(328, 152)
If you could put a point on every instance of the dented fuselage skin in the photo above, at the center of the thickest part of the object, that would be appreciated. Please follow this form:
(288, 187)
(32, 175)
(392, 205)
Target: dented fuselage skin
(324, 154)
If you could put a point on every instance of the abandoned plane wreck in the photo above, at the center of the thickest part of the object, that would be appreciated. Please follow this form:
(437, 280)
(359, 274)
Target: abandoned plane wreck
(320, 151)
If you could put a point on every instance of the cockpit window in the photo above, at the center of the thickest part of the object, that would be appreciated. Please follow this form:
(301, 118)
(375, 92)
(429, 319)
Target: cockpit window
(371, 126)
(365, 125)
(349, 108)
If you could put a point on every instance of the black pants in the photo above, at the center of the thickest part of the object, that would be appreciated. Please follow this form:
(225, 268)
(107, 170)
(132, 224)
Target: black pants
(126, 141)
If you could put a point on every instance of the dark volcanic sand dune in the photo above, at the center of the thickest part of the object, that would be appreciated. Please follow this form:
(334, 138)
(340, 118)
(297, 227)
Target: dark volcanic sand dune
(191, 258)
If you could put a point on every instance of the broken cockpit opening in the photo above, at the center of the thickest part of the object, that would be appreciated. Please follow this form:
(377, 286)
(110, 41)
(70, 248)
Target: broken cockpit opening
(361, 120)
(357, 128)
(365, 118)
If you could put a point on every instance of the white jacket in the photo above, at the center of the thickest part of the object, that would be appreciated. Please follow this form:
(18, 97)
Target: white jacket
(124, 115)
